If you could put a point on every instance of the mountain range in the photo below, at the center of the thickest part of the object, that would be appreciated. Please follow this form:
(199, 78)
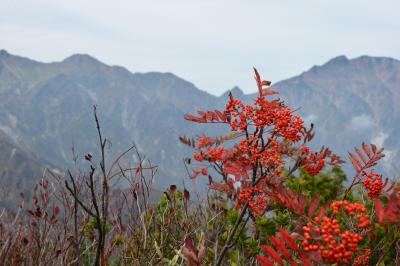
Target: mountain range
(47, 109)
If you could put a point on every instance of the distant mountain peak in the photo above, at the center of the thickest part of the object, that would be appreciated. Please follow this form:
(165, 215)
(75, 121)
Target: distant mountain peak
(360, 63)
(338, 60)
(81, 59)
(3, 53)
(236, 91)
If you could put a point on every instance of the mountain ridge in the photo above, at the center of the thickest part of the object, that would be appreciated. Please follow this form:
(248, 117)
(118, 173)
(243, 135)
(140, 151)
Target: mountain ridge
(50, 105)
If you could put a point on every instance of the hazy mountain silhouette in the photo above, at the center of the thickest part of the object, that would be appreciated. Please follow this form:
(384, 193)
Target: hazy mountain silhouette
(47, 107)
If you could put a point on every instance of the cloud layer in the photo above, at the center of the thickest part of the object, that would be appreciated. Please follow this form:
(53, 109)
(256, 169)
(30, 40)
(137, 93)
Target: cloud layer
(212, 43)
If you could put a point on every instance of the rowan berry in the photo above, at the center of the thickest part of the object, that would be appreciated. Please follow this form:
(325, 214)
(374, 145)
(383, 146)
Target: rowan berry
(373, 184)
(326, 235)
(256, 197)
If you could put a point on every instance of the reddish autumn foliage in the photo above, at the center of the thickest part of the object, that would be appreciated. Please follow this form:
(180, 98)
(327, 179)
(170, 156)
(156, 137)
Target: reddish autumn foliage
(268, 134)
(271, 143)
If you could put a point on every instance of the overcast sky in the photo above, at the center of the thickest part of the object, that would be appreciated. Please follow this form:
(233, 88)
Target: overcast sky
(212, 43)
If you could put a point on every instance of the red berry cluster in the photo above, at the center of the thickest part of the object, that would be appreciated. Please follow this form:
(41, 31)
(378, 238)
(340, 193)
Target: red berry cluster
(264, 114)
(363, 259)
(288, 125)
(213, 154)
(253, 152)
(237, 113)
(326, 236)
(256, 197)
(373, 184)
(304, 150)
(268, 113)
(352, 209)
(250, 148)
(314, 164)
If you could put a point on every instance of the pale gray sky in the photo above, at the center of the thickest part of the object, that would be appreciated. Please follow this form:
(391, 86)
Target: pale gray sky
(212, 43)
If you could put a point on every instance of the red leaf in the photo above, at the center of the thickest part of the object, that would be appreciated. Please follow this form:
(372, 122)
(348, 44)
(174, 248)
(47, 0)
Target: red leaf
(220, 115)
(258, 80)
(272, 253)
(172, 188)
(266, 83)
(322, 211)
(88, 157)
(301, 204)
(385, 182)
(264, 261)
(210, 116)
(194, 119)
(280, 246)
(201, 113)
(356, 163)
(186, 195)
(58, 252)
(190, 117)
(288, 239)
(137, 172)
(361, 155)
(313, 206)
(56, 210)
(379, 210)
(267, 92)
(373, 146)
(366, 149)
(257, 76)
(305, 259)
(390, 187)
